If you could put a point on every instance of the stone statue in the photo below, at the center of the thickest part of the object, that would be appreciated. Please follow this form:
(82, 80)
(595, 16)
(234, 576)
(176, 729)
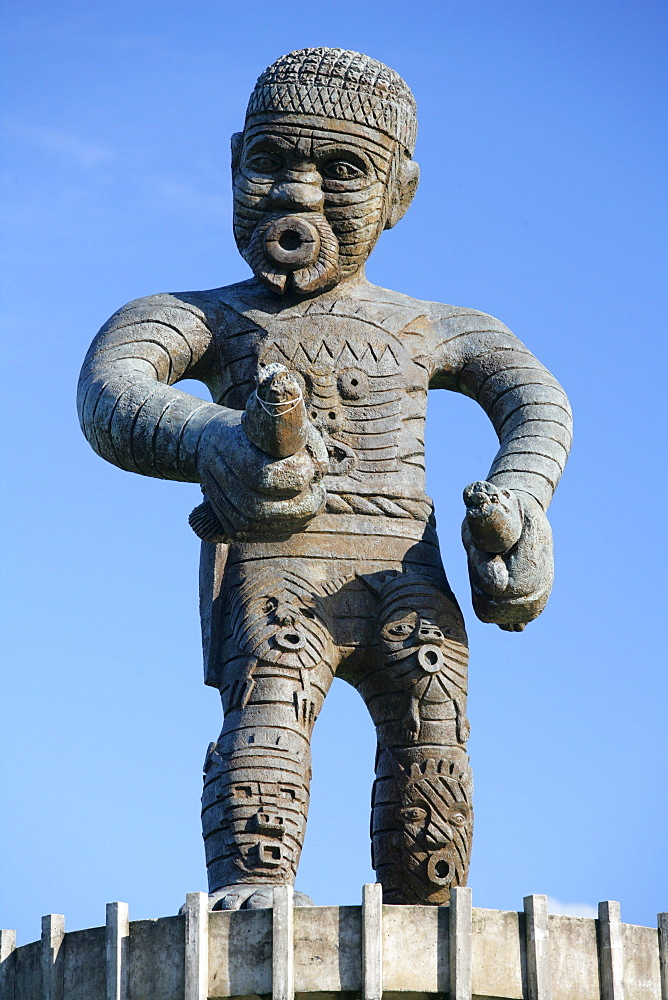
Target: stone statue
(319, 548)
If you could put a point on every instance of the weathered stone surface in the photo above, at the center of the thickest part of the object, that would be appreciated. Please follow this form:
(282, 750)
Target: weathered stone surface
(497, 953)
(573, 957)
(240, 953)
(157, 959)
(248, 953)
(641, 962)
(319, 551)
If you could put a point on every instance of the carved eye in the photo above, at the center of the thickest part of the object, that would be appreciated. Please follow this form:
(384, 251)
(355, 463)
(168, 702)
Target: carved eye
(401, 628)
(264, 163)
(413, 814)
(341, 170)
(459, 814)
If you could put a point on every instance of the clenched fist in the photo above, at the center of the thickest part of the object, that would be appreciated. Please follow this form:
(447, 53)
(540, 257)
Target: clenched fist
(508, 541)
(261, 473)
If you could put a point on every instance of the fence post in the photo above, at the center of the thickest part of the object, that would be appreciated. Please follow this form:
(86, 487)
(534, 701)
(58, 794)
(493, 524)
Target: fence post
(537, 937)
(283, 949)
(610, 950)
(197, 946)
(117, 940)
(7, 963)
(53, 933)
(662, 921)
(461, 969)
(372, 941)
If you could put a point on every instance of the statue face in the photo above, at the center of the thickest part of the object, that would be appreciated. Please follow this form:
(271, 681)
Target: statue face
(311, 197)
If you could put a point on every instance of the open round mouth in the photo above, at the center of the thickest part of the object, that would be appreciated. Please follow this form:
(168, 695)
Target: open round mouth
(440, 867)
(289, 639)
(292, 242)
(430, 658)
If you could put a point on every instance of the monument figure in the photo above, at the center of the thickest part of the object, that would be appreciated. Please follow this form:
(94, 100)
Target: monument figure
(319, 548)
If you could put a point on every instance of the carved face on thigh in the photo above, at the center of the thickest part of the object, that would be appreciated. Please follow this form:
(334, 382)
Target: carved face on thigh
(311, 197)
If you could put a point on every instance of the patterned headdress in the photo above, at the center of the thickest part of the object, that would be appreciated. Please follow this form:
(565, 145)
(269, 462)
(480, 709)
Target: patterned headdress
(337, 83)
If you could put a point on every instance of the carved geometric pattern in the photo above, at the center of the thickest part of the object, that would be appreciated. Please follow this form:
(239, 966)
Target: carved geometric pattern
(422, 824)
(254, 808)
(340, 84)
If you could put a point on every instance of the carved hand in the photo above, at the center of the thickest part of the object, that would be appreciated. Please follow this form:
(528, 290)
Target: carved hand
(263, 474)
(508, 541)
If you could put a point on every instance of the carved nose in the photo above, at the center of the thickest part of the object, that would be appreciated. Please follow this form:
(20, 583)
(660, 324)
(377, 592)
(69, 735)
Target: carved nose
(296, 196)
(428, 633)
(437, 837)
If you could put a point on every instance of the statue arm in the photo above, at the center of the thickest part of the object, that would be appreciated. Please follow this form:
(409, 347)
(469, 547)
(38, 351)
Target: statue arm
(506, 533)
(128, 407)
(257, 479)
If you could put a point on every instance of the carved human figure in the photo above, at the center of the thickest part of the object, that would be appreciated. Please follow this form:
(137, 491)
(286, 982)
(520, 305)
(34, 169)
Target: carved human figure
(319, 549)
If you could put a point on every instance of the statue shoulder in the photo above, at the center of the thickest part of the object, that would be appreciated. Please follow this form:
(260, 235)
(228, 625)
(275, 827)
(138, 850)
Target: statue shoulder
(443, 338)
(436, 323)
(179, 327)
(182, 310)
(448, 321)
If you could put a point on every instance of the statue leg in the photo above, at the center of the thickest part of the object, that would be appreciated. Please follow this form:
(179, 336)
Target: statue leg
(279, 662)
(422, 799)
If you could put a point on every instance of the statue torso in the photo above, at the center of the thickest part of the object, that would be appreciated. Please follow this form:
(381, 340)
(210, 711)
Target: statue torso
(358, 361)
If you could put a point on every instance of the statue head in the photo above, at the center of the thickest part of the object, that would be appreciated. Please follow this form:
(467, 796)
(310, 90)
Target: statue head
(323, 165)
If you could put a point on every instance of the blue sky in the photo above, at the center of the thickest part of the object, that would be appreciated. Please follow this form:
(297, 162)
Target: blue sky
(542, 201)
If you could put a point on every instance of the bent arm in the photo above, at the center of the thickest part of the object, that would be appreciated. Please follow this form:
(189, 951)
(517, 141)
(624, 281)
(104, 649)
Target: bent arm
(506, 533)
(479, 357)
(128, 409)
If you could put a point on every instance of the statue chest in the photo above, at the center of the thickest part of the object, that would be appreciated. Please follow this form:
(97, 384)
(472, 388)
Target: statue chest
(359, 382)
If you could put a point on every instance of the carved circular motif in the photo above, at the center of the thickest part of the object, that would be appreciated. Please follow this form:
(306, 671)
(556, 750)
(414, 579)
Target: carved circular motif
(292, 242)
(440, 867)
(353, 384)
(430, 658)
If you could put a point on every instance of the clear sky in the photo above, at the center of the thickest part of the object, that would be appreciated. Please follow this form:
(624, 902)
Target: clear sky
(542, 201)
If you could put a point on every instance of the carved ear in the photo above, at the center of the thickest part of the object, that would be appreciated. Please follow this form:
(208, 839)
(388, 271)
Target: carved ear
(404, 190)
(236, 142)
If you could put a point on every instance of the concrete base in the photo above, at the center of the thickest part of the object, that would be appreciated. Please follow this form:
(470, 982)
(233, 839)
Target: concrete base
(371, 951)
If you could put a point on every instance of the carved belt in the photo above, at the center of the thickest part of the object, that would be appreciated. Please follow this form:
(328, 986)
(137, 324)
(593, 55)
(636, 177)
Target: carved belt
(353, 503)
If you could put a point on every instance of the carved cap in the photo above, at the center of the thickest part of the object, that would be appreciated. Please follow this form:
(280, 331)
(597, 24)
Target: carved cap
(337, 83)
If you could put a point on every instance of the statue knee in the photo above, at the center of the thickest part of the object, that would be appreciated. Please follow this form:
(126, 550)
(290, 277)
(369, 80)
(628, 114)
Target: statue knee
(419, 697)
(278, 649)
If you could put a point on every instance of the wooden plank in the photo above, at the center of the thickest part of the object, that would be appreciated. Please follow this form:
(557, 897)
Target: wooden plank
(372, 941)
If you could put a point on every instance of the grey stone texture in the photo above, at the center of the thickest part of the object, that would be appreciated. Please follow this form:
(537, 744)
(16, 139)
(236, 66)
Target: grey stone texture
(319, 548)
(537, 940)
(451, 951)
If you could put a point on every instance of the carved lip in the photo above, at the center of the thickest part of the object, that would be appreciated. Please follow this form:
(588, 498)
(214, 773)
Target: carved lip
(292, 242)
